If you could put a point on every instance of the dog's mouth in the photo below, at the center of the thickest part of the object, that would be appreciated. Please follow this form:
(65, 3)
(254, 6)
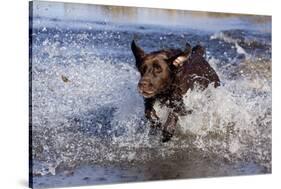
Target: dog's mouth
(146, 94)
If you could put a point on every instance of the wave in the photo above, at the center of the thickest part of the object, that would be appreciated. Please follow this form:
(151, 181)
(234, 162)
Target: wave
(249, 44)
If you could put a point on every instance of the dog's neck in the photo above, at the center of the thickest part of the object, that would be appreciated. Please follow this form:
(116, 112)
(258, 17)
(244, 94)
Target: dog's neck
(171, 93)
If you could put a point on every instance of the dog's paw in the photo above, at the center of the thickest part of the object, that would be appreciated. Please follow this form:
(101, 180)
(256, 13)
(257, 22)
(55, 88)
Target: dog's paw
(166, 136)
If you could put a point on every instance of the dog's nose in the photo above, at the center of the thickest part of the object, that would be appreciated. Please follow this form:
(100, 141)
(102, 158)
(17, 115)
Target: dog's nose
(144, 85)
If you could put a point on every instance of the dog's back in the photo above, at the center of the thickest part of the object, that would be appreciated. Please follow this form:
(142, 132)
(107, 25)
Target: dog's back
(196, 71)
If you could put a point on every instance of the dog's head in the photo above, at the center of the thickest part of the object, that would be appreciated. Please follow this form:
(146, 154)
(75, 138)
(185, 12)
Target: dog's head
(157, 68)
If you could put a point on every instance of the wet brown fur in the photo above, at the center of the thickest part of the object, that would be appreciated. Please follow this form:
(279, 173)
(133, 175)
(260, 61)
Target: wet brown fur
(166, 75)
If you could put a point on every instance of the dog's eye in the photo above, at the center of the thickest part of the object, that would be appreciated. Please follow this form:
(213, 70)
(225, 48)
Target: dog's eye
(143, 69)
(157, 68)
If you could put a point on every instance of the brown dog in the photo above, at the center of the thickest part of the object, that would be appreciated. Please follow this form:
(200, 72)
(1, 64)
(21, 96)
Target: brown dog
(166, 75)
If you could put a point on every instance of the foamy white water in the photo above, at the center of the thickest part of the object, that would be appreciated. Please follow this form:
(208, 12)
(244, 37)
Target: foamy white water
(97, 116)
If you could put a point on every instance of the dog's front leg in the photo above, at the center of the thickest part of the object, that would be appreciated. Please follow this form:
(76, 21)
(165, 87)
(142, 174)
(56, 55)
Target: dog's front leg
(150, 113)
(169, 127)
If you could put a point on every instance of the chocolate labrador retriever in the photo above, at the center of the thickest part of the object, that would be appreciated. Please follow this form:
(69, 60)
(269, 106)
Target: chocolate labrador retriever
(166, 75)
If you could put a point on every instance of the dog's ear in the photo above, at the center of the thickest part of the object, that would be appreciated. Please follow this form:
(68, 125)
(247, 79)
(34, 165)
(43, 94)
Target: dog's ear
(199, 50)
(178, 59)
(138, 53)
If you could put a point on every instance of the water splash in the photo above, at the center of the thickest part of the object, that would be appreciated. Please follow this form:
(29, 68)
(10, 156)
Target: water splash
(97, 116)
(86, 108)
